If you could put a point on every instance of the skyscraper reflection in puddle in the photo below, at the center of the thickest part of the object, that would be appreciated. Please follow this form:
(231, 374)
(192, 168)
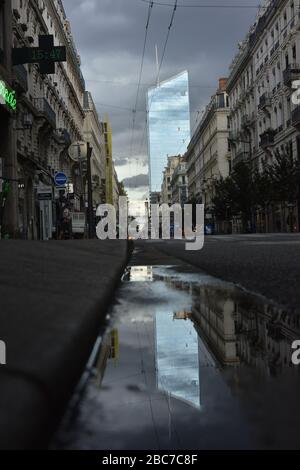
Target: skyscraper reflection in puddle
(177, 360)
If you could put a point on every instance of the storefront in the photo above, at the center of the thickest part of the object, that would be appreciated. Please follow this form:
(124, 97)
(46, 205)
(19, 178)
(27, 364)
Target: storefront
(45, 205)
(8, 104)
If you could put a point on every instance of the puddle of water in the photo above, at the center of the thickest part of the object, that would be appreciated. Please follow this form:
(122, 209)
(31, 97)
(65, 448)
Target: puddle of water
(189, 362)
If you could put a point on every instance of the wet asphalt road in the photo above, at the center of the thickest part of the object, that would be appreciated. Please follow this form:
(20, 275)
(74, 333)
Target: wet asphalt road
(265, 264)
(187, 362)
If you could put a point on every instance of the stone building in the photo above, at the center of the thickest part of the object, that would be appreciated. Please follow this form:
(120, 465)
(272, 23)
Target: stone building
(116, 189)
(263, 119)
(166, 189)
(179, 183)
(7, 115)
(49, 117)
(208, 155)
(109, 167)
(94, 136)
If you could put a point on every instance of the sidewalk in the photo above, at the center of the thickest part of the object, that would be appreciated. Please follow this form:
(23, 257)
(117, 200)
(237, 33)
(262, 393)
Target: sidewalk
(53, 298)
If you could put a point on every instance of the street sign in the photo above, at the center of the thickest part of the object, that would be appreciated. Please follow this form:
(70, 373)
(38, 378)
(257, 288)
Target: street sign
(60, 179)
(44, 196)
(78, 151)
(45, 55)
(44, 193)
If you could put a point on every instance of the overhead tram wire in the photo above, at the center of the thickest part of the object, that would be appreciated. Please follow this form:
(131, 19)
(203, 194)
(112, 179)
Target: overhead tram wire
(172, 19)
(266, 52)
(161, 4)
(160, 66)
(150, 9)
(146, 85)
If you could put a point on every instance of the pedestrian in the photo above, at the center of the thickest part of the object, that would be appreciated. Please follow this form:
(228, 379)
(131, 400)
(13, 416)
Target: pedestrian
(66, 225)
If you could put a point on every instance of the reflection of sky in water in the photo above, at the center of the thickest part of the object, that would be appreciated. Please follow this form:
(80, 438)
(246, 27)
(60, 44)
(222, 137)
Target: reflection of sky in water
(177, 359)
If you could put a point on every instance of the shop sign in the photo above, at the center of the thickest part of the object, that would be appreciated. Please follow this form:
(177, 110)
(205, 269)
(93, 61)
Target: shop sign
(7, 96)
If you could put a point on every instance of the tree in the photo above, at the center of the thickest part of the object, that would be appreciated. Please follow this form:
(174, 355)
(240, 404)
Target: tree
(223, 199)
(284, 175)
(246, 190)
(122, 190)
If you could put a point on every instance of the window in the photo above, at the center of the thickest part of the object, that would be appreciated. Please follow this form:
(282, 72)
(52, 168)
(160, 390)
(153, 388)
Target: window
(292, 10)
(291, 148)
(298, 148)
(1, 31)
(285, 18)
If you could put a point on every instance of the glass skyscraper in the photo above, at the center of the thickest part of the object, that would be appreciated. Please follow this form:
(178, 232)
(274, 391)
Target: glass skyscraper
(169, 130)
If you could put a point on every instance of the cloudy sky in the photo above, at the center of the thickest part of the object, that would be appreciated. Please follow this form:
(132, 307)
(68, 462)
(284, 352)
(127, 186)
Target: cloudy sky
(109, 35)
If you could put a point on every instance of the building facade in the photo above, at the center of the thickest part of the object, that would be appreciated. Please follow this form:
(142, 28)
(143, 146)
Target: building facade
(7, 114)
(179, 183)
(263, 119)
(208, 154)
(168, 124)
(166, 188)
(49, 118)
(116, 190)
(94, 136)
(109, 168)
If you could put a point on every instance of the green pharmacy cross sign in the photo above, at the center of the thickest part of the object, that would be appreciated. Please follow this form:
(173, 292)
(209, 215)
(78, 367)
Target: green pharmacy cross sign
(45, 55)
(7, 96)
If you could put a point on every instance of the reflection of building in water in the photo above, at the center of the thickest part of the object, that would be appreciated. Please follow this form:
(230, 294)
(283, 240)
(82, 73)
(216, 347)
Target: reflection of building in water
(214, 315)
(265, 335)
(239, 327)
(177, 361)
(139, 274)
(183, 315)
(109, 350)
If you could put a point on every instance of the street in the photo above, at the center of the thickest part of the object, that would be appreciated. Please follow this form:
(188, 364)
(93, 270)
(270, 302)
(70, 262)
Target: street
(266, 264)
(189, 361)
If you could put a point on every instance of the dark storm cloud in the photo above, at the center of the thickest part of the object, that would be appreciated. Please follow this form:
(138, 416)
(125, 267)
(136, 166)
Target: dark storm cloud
(109, 35)
(139, 181)
(121, 161)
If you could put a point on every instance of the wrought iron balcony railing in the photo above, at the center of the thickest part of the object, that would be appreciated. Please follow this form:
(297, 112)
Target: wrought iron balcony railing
(291, 73)
(45, 110)
(296, 117)
(265, 101)
(267, 138)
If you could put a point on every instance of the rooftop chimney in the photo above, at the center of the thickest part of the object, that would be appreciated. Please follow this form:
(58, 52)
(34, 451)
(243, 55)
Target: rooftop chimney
(222, 84)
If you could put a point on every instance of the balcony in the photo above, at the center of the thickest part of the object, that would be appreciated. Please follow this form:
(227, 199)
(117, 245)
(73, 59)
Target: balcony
(64, 137)
(267, 139)
(233, 136)
(20, 75)
(247, 120)
(296, 117)
(241, 157)
(265, 101)
(45, 110)
(96, 181)
(291, 73)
